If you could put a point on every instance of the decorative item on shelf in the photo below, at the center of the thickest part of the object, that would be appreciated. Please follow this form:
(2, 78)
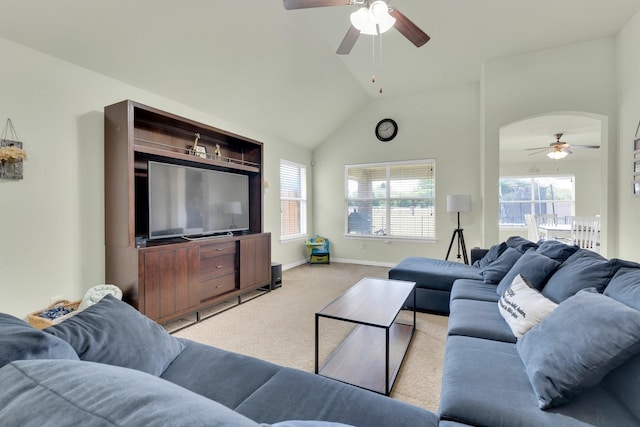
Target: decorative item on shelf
(216, 152)
(458, 203)
(12, 155)
(198, 150)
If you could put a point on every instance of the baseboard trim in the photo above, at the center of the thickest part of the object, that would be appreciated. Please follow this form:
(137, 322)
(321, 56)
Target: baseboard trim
(343, 261)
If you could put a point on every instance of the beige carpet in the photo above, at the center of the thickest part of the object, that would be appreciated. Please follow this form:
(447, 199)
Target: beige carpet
(280, 327)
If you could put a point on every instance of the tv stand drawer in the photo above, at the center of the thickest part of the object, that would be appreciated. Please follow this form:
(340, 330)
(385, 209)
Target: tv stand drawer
(217, 286)
(213, 250)
(216, 267)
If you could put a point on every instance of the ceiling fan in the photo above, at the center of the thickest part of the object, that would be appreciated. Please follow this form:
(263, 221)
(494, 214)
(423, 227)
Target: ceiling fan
(559, 149)
(372, 17)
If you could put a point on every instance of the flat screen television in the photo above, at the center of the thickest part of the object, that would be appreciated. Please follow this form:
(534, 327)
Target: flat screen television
(191, 202)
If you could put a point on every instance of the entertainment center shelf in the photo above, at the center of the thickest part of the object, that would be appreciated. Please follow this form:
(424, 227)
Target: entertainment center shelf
(167, 278)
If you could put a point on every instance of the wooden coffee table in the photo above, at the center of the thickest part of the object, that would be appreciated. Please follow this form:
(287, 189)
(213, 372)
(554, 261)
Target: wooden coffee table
(370, 357)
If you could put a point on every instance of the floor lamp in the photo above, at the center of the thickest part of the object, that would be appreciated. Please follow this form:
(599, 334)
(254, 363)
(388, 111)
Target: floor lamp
(458, 203)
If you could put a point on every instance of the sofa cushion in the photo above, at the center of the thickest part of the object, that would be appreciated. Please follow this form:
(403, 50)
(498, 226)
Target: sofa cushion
(21, 341)
(480, 319)
(563, 361)
(74, 393)
(215, 382)
(475, 290)
(523, 307)
(583, 269)
(557, 250)
(520, 244)
(294, 394)
(494, 252)
(623, 382)
(495, 271)
(533, 266)
(113, 332)
(433, 273)
(305, 423)
(485, 384)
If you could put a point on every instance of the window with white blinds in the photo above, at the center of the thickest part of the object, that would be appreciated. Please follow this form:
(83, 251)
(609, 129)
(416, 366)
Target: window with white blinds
(293, 200)
(394, 199)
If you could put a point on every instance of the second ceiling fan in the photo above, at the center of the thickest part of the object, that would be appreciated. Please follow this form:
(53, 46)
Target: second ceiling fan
(559, 149)
(372, 17)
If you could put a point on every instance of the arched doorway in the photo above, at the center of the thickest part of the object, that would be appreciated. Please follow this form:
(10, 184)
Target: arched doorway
(587, 167)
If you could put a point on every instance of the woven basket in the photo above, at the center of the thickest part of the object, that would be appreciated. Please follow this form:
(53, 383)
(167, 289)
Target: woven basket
(40, 322)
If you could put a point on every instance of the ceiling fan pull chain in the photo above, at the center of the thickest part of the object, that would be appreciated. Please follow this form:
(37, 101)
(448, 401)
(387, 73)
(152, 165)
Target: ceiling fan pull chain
(373, 59)
(380, 59)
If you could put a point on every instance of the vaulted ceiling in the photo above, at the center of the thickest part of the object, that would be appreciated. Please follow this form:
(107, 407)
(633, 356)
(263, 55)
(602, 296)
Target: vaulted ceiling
(276, 71)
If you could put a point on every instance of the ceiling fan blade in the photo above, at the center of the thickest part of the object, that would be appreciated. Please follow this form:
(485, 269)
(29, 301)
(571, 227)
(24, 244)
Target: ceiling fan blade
(408, 29)
(305, 4)
(537, 148)
(348, 41)
(584, 146)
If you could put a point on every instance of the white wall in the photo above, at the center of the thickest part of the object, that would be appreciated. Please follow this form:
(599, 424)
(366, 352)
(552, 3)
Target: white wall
(579, 77)
(52, 240)
(628, 72)
(442, 125)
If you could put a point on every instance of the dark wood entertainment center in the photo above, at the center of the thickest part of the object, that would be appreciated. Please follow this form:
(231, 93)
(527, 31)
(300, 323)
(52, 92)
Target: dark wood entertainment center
(169, 278)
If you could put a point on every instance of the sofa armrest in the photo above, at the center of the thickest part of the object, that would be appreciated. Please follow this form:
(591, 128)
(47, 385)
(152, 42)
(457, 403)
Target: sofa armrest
(477, 253)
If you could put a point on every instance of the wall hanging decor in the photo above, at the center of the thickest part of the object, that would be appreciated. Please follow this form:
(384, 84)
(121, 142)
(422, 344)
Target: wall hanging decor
(636, 163)
(12, 155)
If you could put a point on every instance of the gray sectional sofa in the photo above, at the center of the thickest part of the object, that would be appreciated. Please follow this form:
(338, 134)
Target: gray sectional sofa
(110, 366)
(578, 364)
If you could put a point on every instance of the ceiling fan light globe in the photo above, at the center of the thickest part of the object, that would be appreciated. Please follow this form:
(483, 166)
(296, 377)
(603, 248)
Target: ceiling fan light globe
(557, 155)
(379, 14)
(360, 20)
(378, 11)
(386, 24)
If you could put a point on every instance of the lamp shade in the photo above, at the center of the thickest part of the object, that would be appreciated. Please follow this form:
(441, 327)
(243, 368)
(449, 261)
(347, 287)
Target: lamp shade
(458, 203)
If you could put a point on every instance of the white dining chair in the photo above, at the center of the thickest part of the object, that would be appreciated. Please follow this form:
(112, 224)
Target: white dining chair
(532, 228)
(544, 220)
(585, 232)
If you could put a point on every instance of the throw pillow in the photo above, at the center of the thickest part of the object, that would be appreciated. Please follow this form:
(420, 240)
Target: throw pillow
(520, 244)
(21, 341)
(113, 332)
(563, 361)
(557, 250)
(495, 271)
(38, 393)
(625, 287)
(494, 252)
(583, 269)
(532, 265)
(523, 307)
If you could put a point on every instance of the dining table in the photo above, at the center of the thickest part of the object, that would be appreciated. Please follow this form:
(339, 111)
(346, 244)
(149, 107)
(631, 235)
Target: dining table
(555, 231)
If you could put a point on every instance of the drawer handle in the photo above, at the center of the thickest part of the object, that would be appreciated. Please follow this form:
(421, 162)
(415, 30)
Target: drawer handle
(218, 287)
(219, 266)
(219, 249)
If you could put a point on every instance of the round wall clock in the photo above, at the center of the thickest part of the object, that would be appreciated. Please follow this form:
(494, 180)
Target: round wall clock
(386, 130)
